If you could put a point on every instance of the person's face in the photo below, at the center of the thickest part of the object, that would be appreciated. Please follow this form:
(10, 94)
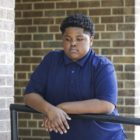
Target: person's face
(76, 42)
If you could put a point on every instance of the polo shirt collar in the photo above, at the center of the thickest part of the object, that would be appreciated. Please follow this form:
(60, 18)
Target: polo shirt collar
(80, 62)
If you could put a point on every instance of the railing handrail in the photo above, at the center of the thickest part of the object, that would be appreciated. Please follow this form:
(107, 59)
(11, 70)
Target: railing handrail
(15, 108)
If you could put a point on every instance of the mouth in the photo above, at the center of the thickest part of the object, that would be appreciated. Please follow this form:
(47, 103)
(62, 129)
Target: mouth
(73, 50)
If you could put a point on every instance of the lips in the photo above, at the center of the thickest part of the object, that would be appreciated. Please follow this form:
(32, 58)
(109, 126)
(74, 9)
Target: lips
(73, 50)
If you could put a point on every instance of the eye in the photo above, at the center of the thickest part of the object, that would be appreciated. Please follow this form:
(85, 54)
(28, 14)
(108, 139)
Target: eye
(80, 39)
(67, 39)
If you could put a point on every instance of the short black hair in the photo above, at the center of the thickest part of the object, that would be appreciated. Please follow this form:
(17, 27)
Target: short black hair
(78, 20)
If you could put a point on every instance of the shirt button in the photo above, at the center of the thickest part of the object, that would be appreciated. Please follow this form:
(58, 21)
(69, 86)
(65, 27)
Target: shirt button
(72, 71)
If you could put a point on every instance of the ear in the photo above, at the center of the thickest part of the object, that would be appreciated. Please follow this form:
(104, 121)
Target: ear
(91, 40)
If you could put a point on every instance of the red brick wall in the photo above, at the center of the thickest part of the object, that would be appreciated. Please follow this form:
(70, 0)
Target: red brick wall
(37, 32)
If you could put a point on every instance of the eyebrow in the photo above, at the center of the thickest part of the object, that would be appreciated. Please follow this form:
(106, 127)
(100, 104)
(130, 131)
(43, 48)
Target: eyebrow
(76, 35)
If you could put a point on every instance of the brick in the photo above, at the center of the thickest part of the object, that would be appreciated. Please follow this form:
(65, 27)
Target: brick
(88, 4)
(100, 27)
(54, 28)
(75, 11)
(96, 36)
(23, 22)
(22, 37)
(127, 110)
(112, 35)
(20, 84)
(42, 28)
(44, 6)
(126, 27)
(22, 67)
(22, 52)
(25, 132)
(54, 44)
(32, 1)
(37, 116)
(114, 3)
(26, 60)
(4, 114)
(112, 19)
(19, 99)
(120, 101)
(17, 60)
(9, 81)
(58, 20)
(33, 14)
(99, 12)
(58, 36)
(5, 135)
(130, 68)
(40, 52)
(118, 67)
(43, 21)
(39, 133)
(23, 7)
(24, 116)
(123, 59)
(62, 5)
(129, 3)
(101, 43)
(32, 124)
(111, 51)
(31, 44)
(7, 26)
(21, 29)
(130, 51)
(6, 69)
(3, 102)
(129, 84)
(120, 84)
(9, 4)
(22, 123)
(4, 126)
(96, 20)
(125, 76)
(111, 27)
(2, 58)
(129, 19)
(55, 13)
(129, 127)
(125, 11)
(43, 37)
(129, 35)
(32, 29)
(123, 43)
(21, 75)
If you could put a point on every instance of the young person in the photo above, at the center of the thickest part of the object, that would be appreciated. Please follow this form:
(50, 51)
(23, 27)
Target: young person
(75, 81)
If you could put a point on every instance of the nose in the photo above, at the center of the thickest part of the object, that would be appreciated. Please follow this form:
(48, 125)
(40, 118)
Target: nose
(73, 43)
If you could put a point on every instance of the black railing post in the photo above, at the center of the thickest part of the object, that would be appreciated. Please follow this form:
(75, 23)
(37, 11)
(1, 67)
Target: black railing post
(14, 125)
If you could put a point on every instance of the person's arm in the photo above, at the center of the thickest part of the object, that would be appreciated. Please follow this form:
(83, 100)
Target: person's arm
(87, 106)
(57, 118)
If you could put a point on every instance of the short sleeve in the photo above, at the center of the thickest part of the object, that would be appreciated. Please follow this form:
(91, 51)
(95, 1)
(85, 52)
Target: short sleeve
(38, 80)
(106, 87)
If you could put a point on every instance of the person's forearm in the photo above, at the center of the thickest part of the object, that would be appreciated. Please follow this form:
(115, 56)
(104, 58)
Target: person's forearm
(36, 102)
(87, 106)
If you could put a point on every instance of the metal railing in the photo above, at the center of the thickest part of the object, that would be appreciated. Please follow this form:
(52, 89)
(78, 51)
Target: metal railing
(15, 108)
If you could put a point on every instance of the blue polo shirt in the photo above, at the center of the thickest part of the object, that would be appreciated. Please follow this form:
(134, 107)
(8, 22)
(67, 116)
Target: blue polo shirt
(58, 79)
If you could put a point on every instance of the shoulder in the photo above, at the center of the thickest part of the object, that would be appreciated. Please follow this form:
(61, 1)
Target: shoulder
(54, 55)
(101, 63)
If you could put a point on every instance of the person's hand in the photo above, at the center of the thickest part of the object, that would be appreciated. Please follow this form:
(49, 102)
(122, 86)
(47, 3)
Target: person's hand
(56, 120)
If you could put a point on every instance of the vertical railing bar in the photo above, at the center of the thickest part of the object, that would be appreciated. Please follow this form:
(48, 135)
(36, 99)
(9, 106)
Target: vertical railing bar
(14, 125)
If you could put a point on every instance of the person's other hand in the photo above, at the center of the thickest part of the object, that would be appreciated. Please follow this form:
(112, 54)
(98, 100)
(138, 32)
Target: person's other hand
(56, 120)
